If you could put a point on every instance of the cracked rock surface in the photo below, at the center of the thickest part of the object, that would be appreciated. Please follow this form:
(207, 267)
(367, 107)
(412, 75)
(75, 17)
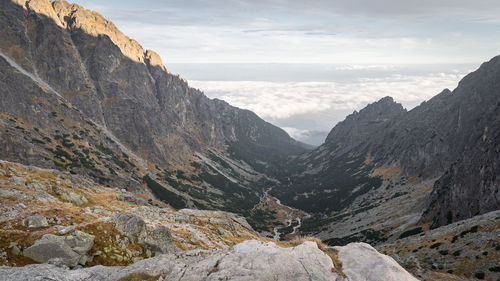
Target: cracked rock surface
(249, 260)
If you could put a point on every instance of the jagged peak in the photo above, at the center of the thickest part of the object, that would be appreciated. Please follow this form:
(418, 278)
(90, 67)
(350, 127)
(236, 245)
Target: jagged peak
(386, 106)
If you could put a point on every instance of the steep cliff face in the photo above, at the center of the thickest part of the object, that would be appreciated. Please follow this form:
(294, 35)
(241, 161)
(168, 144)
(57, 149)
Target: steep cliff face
(117, 83)
(66, 69)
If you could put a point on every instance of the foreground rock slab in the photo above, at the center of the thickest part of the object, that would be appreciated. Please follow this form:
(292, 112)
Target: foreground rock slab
(361, 261)
(249, 260)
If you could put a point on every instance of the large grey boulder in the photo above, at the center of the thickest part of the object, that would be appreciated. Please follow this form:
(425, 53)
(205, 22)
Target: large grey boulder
(129, 225)
(71, 249)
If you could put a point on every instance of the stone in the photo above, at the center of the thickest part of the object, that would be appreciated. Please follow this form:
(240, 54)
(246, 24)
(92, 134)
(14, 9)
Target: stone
(58, 262)
(17, 180)
(71, 249)
(15, 251)
(80, 242)
(159, 240)
(37, 222)
(46, 250)
(224, 232)
(66, 230)
(129, 225)
(74, 197)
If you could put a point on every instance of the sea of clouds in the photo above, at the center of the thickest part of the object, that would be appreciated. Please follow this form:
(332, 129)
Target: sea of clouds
(308, 110)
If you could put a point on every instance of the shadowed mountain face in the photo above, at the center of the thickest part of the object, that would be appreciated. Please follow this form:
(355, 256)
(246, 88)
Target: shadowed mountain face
(453, 137)
(87, 99)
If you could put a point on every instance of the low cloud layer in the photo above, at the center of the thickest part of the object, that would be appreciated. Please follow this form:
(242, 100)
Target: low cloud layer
(308, 110)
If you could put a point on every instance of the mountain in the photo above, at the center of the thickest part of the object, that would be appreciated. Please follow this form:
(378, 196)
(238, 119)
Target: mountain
(78, 95)
(385, 173)
(107, 158)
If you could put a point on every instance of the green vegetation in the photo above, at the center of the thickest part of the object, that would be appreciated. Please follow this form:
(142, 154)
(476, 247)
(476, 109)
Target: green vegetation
(479, 275)
(410, 232)
(436, 245)
(331, 189)
(367, 235)
(163, 194)
(473, 229)
(494, 269)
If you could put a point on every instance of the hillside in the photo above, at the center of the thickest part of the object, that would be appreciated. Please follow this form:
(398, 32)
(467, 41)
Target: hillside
(94, 102)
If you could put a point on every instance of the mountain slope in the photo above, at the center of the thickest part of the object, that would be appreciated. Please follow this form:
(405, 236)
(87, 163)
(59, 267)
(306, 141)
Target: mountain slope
(66, 69)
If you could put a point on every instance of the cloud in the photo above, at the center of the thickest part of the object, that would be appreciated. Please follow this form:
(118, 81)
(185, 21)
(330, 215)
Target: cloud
(345, 31)
(302, 108)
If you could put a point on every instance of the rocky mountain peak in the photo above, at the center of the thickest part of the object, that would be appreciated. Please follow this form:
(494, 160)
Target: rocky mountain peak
(367, 121)
(94, 24)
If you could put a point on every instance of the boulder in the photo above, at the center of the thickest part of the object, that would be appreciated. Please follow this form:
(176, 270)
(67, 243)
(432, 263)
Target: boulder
(129, 225)
(43, 251)
(37, 222)
(71, 249)
(159, 240)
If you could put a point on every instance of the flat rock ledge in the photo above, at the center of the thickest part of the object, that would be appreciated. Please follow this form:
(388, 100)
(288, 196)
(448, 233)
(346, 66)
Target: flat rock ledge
(249, 260)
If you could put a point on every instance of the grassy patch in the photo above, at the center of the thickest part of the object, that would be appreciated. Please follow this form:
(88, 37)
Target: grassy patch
(140, 276)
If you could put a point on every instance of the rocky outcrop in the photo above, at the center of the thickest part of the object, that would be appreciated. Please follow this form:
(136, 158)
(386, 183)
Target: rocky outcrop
(158, 240)
(250, 260)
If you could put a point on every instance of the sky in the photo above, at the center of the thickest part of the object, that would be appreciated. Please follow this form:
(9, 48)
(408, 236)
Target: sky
(304, 65)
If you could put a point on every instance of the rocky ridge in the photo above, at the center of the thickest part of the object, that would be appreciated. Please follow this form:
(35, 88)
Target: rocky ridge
(246, 261)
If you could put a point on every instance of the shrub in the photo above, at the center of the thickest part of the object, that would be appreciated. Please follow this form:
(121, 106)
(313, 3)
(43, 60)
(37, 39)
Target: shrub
(494, 269)
(479, 275)
(435, 245)
(410, 232)
(163, 194)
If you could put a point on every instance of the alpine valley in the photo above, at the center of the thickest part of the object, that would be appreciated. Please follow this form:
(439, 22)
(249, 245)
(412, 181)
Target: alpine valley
(113, 168)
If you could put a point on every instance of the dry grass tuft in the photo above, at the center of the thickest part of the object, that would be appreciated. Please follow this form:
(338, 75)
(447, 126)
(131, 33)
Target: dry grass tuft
(140, 276)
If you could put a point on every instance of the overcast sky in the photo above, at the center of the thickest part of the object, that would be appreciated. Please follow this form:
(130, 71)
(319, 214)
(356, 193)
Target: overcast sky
(304, 65)
(325, 31)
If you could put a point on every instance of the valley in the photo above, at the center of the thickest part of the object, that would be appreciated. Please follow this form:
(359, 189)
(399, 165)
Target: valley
(112, 160)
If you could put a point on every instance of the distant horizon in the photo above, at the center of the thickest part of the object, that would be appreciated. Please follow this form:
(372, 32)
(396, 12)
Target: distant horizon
(306, 100)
